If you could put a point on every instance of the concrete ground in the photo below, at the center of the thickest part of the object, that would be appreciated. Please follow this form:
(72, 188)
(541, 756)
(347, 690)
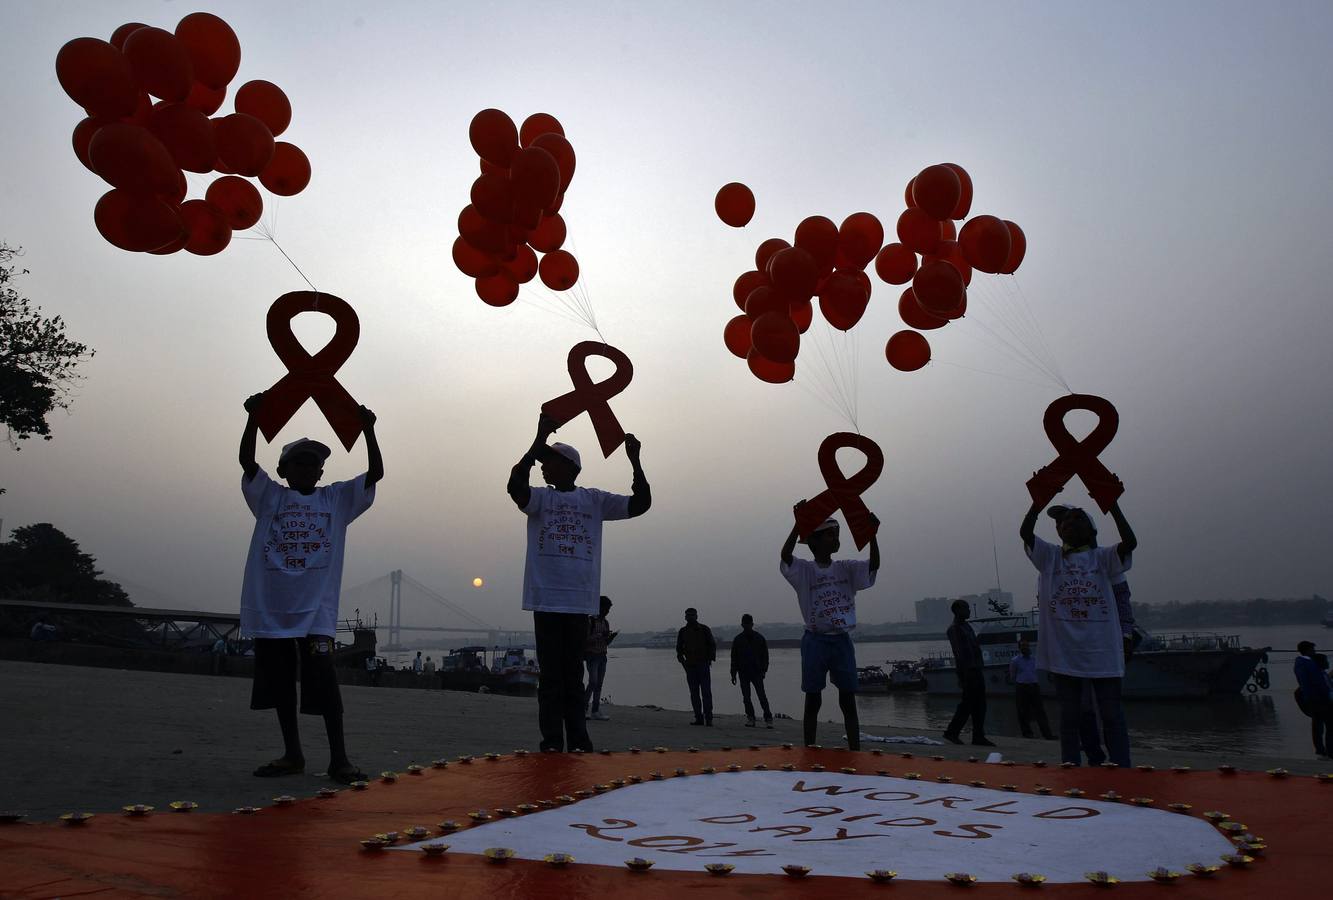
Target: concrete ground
(79, 738)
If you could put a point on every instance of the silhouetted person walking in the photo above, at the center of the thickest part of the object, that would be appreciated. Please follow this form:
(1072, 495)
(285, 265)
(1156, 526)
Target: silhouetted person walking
(696, 650)
(971, 678)
(749, 663)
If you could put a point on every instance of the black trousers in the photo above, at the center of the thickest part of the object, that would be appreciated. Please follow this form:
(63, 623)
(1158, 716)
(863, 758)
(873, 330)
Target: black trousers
(756, 681)
(973, 705)
(560, 639)
(1028, 699)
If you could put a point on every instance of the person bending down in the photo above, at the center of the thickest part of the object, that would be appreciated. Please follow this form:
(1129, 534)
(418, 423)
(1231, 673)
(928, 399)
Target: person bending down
(293, 575)
(826, 593)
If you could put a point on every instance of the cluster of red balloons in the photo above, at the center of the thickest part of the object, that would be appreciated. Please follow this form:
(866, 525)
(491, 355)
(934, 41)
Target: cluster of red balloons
(938, 258)
(823, 260)
(515, 208)
(142, 147)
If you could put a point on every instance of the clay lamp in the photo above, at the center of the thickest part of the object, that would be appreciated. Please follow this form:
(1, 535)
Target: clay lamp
(719, 869)
(796, 871)
(1029, 879)
(182, 806)
(415, 769)
(1163, 875)
(558, 860)
(76, 818)
(284, 800)
(498, 855)
(137, 809)
(638, 864)
(434, 849)
(881, 876)
(962, 879)
(1101, 879)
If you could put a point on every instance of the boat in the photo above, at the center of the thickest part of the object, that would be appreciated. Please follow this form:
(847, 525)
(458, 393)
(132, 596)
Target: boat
(1163, 667)
(465, 669)
(516, 673)
(903, 675)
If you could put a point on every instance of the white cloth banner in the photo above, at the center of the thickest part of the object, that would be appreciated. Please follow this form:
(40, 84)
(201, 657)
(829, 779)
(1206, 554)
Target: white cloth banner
(848, 824)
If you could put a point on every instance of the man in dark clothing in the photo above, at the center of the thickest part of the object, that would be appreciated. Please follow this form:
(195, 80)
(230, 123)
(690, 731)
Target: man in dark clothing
(1313, 697)
(749, 662)
(696, 650)
(967, 657)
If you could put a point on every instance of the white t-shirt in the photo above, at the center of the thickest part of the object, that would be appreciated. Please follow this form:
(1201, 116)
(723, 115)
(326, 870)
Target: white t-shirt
(294, 571)
(563, 572)
(1078, 628)
(827, 595)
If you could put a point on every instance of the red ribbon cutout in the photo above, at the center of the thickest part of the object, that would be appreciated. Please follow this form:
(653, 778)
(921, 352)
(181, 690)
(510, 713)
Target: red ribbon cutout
(1078, 457)
(591, 397)
(843, 493)
(311, 377)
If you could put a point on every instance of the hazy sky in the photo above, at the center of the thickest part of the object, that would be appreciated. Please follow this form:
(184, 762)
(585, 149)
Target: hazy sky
(1168, 162)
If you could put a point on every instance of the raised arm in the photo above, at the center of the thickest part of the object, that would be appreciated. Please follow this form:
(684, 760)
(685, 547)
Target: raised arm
(641, 495)
(374, 460)
(790, 546)
(874, 545)
(1128, 543)
(1028, 530)
(248, 436)
(519, 490)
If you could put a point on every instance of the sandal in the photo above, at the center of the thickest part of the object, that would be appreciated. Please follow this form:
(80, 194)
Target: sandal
(347, 774)
(279, 768)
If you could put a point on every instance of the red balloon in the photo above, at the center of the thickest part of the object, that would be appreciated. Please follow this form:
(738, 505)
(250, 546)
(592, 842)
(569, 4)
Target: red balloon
(859, 238)
(734, 204)
(536, 178)
(563, 151)
(266, 102)
(763, 300)
(119, 36)
(559, 270)
(97, 76)
(1018, 248)
(83, 136)
(747, 282)
(802, 313)
(793, 273)
(177, 195)
(907, 351)
(159, 63)
(937, 190)
(173, 247)
(910, 311)
(965, 195)
(493, 196)
(537, 124)
(818, 236)
(129, 157)
(288, 172)
(523, 267)
(137, 222)
(918, 232)
(767, 370)
(186, 133)
(895, 264)
(766, 251)
(549, 235)
(947, 231)
(143, 111)
(498, 289)
(238, 200)
(214, 51)
(908, 200)
(737, 336)
(205, 99)
(209, 231)
(986, 243)
(494, 137)
(959, 310)
(555, 207)
(774, 335)
(244, 143)
(843, 300)
(473, 262)
(949, 251)
(480, 232)
(938, 287)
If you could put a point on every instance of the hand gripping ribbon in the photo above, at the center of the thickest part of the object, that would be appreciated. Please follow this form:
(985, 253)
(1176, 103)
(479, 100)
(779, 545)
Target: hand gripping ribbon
(311, 377)
(1078, 457)
(591, 397)
(843, 493)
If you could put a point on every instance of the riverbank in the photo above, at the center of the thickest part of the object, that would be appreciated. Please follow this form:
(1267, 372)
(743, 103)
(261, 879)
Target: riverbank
(78, 738)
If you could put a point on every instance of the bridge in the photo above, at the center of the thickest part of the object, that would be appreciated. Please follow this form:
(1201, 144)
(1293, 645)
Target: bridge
(387, 593)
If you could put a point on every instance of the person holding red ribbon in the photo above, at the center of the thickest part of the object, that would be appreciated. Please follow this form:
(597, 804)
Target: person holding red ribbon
(1080, 641)
(293, 576)
(826, 593)
(562, 577)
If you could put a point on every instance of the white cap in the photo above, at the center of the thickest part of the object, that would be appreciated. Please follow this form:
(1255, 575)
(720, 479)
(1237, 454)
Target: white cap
(304, 444)
(825, 526)
(567, 452)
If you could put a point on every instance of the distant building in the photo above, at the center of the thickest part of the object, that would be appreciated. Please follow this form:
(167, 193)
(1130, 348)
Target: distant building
(935, 612)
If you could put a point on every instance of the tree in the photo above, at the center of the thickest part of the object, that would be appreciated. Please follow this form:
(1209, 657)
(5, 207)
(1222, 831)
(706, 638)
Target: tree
(41, 561)
(37, 360)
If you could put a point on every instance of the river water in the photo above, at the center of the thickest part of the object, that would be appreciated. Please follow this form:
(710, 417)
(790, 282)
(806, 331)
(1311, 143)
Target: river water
(1263, 723)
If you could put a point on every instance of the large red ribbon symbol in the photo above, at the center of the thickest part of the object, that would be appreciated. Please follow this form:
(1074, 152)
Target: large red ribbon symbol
(311, 377)
(843, 493)
(1078, 457)
(591, 397)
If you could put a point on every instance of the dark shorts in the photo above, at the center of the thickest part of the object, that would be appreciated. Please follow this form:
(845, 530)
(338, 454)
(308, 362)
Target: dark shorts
(279, 662)
(827, 654)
